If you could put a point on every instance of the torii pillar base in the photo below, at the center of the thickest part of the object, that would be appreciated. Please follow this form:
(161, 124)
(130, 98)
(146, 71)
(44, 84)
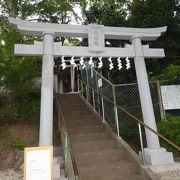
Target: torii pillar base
(157, 157)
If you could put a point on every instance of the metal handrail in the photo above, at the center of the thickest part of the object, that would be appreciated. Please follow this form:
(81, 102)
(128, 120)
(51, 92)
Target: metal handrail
(135, 118)
(64, 128)
(115, 85)
(103, 77)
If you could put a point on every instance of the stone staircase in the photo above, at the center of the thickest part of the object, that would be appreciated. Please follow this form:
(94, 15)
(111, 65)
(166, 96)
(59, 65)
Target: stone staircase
(97, 154)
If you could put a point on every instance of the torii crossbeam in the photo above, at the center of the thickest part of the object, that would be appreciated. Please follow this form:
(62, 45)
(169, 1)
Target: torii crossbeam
(96, 35)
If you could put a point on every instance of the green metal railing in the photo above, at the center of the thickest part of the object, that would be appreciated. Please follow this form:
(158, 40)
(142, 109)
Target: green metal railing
(71, 170)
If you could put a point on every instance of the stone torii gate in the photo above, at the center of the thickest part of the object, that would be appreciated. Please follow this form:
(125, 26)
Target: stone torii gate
(96, 35)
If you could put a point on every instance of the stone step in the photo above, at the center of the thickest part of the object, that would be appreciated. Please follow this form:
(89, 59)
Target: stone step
(75, 108)
(112, 176)
(99, 136)
(70, 98)
(128, 177)
(77, 113)
(100, 157)
(84, 112)
(108, 171)
(96, 153)
(89, 146)
(68, 101)
(83, 123)
(64, 100)
(73, 117)
(73, 104)
(83, 130)
(70, 95)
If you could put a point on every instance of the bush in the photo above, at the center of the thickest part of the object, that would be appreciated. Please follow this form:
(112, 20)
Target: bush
(28, 109)
(129, 130)
(8, 114)
(23, 108)
(170, 128)
(18, 144)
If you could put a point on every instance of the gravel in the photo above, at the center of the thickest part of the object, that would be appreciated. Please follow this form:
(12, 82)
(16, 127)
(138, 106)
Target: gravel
(11, 175)
(168, 175)
(18, 175)
(166, 172)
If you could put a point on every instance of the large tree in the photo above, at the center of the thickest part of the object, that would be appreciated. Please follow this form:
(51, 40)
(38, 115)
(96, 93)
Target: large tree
(145, 14)
(106, 12)
(17, 73)
(150, 13)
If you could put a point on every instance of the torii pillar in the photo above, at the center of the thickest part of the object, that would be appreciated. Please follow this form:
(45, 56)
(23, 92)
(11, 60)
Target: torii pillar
(46, 113)
(154, 154)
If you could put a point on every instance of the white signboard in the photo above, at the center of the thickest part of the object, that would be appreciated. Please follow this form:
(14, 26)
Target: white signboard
(171, 97)
(100, 82)
(38, 163)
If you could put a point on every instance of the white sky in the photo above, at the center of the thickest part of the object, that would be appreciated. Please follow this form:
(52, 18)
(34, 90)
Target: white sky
(77, 10)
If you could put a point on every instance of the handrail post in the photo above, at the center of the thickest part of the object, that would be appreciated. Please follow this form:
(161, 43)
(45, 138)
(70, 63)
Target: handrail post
(78, 84)
(87, 79)
(162, 111)
(87, 96)
(97, 93)
(93, 99)
(116, 112)
(82, 88)
(66, 154)
(141, 141)
(102, 102)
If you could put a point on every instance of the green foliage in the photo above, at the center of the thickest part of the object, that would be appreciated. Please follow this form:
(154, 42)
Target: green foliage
(171, 73)
(72, 42)
(24, 108)
(8, 114)
(43, 10)
(19, 75)
(129, 132)
(108, 12)
(150, 13)
(53, 11)
(28, 108)
(128, 129)
(18, 144)
(170, 128)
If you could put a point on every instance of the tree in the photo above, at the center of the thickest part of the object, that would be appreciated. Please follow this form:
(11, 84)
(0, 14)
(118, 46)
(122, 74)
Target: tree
(145, 14)
(14, 69)
(17, 73)
(150, 13)
(106, 12)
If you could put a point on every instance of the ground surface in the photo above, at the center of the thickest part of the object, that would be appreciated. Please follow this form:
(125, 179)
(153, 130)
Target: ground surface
(25, 131)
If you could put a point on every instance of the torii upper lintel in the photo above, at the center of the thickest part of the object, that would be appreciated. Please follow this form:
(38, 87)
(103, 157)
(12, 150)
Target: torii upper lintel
(66, 30)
